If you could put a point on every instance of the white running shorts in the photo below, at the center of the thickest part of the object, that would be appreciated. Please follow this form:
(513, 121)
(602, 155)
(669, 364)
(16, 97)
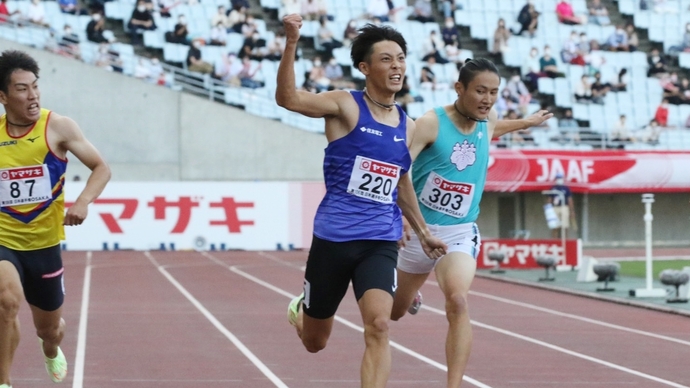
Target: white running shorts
(463, 238)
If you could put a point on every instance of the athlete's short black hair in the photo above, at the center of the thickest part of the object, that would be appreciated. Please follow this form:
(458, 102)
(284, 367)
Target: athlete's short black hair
(12, 60)
(369, 35)
(472, 67)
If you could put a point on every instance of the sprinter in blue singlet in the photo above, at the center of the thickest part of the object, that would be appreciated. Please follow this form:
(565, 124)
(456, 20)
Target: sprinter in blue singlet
(451, 155)
(359, 222)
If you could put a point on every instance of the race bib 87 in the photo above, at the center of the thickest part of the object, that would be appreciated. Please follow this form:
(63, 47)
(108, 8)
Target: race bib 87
(24, 185)
(444, 196)
(373, 179)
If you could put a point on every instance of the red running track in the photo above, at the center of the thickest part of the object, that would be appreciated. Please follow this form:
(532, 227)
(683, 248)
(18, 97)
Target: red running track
(217, 319)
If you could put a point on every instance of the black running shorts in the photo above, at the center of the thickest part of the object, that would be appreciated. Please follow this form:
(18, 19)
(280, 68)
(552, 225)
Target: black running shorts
(41, 273)
(369, 264)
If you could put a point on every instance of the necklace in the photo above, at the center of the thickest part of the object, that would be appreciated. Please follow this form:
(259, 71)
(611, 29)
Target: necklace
(455, 105)
(19, 125)
(382, 105)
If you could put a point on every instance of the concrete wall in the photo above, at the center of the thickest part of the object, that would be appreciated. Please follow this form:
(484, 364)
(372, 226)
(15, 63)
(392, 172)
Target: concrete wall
(151, 133)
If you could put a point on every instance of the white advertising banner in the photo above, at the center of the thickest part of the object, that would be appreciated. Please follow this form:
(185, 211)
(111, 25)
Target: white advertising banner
(190, 215)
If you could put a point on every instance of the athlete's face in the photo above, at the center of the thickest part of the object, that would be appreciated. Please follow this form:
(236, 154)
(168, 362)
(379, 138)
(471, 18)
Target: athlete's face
(480, 95)
(386, 66)
(22, 99)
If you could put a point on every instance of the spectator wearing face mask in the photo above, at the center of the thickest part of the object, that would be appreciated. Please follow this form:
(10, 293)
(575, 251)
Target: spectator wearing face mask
(618, 40)
(96, 28)
(253, 48)
(69, 43)
(194, 61)
(501, 36)
(219, 35)
(334, 72)
(140, 21)
(179, 32)
(547, 64)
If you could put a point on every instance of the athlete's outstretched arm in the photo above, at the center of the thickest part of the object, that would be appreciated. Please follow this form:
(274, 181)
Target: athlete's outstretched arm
(507, 126)
(72, 139)
(407, 201)
(287, 95)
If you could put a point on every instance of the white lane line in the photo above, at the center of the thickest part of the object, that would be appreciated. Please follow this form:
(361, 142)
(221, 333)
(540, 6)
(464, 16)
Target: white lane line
(345, 322)
(581, 318)
(564, 350)
(78, 380)
(247, 353)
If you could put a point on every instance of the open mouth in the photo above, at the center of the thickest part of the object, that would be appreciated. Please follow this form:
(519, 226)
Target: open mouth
(34, 109)
(396, 78)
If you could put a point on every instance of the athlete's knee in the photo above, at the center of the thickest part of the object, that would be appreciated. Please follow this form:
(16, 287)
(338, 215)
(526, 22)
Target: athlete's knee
(456, 304)
(377, 329)
(10, 300)
(50, 331)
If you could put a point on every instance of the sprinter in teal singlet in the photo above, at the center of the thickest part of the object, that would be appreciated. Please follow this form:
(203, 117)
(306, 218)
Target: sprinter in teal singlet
(450, 150)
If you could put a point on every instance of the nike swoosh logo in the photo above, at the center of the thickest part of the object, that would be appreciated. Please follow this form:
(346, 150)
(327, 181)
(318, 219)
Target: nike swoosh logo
(397, 139)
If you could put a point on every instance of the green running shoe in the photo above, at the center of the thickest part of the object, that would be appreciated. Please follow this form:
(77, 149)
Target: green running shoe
(293, 309)
(56, 367)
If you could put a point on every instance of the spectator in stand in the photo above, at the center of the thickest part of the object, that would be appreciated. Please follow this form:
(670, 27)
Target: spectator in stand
(595, 59)
(165, 7)
(621, 133)
(661, 115)
(248, 73)
(620, 83)
(314, 9)
(450, 33)
(531, 69)
(95, 29)
(650, 133)
(428, 79)
(583, 90)
(501, 36)
(566, 15)
(326, 38)
(453, 52)
(241, 3)
(291, 6)
(71, 7)
(221, 17)
(405, 96)
(422, 11)
(236, 18)
(684, 46)
(334, 72)
(5, 14)
(584, 46)
(598, 13)
(218, 35)
(228, 69)
(393, 10)
(378, 9)
(432, 47)
(276, 47)
(547, 64)
(448, 8)
(657, 64)
(633, 39)
(671, 85)
(249, 27)
(618, 40)
(69, 43)
(571, 50)
(504, 103)
(569, 127)
(141, 20)
(519, 93)
(599, 89)
(179, 32)
(252, 48)
(36, 13)
(350, 32)
(528, 19)
(108, 59)
(194, 61)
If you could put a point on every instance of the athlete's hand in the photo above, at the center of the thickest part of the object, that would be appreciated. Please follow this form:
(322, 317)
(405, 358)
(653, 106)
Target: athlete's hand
(292, 23)
(406, 233)
(538, 118)
(433, 246)
(76, 214)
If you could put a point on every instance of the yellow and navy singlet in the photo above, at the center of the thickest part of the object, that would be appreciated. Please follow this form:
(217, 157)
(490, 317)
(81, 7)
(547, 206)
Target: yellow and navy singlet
(32, 178)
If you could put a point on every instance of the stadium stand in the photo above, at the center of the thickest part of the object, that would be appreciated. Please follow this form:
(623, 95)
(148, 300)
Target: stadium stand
(639, 101)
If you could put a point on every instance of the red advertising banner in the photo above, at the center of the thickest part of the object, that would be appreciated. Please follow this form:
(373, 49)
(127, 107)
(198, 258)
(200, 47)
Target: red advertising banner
(521, 254)
(589, 172)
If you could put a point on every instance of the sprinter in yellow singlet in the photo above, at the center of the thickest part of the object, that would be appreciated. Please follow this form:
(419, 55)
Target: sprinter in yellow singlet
(33, 157)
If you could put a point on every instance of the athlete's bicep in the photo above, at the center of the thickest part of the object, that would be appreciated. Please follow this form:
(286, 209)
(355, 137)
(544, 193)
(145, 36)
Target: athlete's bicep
(425, 132)
(316, 105)
(72, 140)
